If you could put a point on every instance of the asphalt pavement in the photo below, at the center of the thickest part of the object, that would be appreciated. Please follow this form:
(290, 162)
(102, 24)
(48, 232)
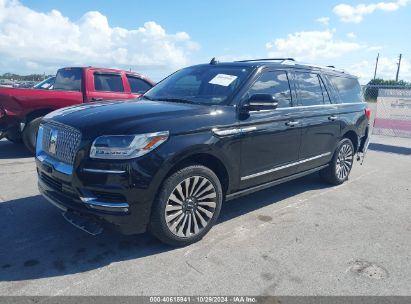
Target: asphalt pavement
(300, 238)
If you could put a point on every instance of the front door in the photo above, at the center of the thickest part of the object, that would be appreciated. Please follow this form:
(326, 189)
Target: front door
(270, 139)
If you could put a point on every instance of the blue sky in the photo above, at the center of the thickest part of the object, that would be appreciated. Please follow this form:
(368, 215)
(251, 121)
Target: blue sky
(180, 33)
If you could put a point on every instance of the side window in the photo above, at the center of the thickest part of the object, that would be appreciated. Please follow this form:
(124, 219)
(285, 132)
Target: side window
(108, 82)
(348, 89)
(309, 89)
(138, 85)
(276, 84)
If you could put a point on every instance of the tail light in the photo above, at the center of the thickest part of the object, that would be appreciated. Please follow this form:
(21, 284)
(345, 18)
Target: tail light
(368, 113)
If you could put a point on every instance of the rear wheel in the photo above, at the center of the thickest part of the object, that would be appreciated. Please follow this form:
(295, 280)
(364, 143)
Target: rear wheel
(30, 134)
(187, 206)
(340, 166)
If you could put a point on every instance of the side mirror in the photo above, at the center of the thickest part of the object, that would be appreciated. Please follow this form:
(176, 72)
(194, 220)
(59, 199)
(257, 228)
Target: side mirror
(260, 102)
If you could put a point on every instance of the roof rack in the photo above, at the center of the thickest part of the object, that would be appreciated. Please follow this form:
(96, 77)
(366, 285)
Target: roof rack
(213, 61)
(268, 59)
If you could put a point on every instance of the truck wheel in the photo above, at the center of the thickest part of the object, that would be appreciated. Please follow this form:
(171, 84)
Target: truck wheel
(340, 166)
(187, 206)
(14, 139)
(30, 134)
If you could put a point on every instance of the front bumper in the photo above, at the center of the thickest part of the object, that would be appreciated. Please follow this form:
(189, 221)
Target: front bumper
(117, 195)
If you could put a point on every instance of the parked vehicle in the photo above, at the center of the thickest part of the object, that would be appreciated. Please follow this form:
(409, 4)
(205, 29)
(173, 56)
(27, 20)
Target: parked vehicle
(21, 110)
(205, 134)
(46, 84)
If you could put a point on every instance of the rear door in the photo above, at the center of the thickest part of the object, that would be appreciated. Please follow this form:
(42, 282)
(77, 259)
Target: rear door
(138, 86)
(319, 120)
(107, 86)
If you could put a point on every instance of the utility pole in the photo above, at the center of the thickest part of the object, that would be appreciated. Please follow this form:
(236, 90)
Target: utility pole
(376, 66)
(398, 67)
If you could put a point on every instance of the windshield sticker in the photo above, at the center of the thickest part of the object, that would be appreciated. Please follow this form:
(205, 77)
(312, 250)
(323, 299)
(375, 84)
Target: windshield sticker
(223, 80)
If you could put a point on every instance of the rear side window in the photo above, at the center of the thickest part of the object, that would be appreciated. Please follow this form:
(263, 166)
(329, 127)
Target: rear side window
(310, 89)
(68, 79)
(275, 84)
(347, 88)
(108, 82)
(138, 85)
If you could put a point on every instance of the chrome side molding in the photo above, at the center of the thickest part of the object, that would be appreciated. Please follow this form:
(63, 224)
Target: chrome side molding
(233, 131)
(285, 166)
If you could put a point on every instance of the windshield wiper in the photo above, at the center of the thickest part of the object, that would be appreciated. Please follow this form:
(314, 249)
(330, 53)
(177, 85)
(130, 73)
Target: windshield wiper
(148, 98)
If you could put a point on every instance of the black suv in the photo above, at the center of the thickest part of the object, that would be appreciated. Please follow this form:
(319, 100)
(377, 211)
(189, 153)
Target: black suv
(205, 134)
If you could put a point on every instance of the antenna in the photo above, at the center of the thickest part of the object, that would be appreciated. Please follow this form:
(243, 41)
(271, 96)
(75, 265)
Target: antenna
(213, 61)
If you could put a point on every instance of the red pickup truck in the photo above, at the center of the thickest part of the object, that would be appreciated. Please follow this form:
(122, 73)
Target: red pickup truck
(21, 110)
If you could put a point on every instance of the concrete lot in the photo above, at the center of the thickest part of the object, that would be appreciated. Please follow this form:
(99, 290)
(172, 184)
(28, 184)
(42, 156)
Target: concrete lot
(300, 238)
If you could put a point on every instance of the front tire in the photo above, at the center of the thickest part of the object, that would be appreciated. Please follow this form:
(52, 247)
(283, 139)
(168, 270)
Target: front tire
(340, 166)
(14, 140)
(187, 206)
(30, 134)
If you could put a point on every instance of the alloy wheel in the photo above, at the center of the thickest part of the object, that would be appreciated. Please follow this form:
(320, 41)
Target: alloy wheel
(344, 161)
(190, 206)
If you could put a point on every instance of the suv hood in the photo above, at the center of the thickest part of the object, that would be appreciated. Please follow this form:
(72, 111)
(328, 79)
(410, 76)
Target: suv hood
(135, 117)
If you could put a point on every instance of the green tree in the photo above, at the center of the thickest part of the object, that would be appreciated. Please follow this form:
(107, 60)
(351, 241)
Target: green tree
(372, 87)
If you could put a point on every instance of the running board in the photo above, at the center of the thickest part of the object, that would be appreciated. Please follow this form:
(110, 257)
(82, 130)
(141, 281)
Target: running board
(273, 183)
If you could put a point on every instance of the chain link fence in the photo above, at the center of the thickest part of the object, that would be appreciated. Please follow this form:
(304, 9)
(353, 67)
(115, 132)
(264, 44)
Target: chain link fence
(393, 109)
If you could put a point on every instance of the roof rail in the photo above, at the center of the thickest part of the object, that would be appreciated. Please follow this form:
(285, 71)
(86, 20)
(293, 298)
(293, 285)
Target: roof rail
(268, 59)
(331, 67)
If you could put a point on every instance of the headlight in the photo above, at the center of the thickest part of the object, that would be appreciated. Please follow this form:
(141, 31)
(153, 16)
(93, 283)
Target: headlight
(126, 146)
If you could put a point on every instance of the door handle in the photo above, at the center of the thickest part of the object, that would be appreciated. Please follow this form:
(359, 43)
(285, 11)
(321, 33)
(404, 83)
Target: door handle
(332, 117)
(97, 99)
(292, 123)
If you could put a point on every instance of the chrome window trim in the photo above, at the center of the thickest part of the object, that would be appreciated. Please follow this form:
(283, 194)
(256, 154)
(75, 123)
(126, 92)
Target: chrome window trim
(285, 166)
(321, 106)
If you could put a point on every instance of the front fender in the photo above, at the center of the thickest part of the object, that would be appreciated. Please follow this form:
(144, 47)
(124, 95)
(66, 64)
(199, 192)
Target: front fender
(183, 147)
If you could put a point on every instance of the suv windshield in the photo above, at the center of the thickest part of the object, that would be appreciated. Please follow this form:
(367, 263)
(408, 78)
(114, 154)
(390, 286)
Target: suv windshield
(210, 85)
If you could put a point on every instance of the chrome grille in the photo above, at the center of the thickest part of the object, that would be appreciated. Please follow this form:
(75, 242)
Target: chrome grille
(67, 144)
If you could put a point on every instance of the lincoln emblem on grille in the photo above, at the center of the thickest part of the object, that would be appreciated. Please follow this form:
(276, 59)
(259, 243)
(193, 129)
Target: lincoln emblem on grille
(53, 141)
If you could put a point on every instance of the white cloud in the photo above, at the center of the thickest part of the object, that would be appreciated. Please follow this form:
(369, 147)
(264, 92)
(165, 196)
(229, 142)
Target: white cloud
(30, 40)
(311, 46)
(323, 20)
(387, 69)
(351, 35)
(355, 14)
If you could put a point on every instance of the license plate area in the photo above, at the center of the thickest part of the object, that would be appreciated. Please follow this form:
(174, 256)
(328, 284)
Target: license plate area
(83, 222)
